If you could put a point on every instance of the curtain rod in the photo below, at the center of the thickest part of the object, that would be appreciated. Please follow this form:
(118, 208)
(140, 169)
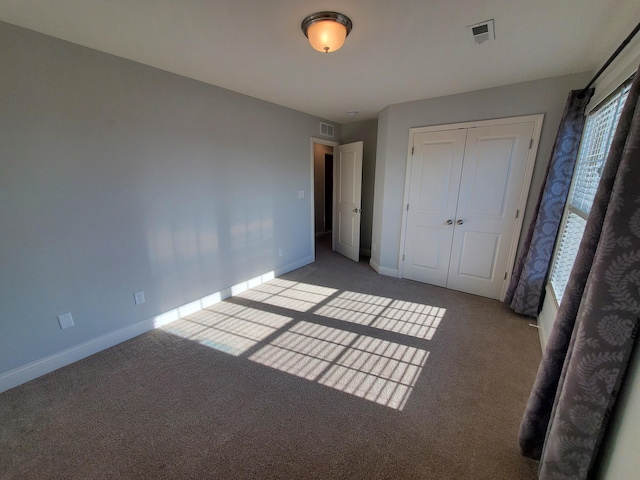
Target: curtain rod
(611, 59)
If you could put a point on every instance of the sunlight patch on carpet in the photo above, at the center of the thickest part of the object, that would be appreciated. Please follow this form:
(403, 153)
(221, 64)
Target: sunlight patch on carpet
(355, 362)
(354, 307)
(228, 327)
(300, 297)
(376, 370)
(306, 350)
(409, 318)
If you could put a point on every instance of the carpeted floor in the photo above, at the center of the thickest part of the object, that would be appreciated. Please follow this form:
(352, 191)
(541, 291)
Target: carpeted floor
(329, 372)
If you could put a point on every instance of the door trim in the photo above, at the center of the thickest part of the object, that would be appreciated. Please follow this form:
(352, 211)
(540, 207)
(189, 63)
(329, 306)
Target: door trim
(328, 143)
(531, 158)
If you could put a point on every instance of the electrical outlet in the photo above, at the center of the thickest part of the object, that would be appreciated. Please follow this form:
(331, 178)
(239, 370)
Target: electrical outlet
(65, 320)
(300, 193)
(138, 297)
(281, 252)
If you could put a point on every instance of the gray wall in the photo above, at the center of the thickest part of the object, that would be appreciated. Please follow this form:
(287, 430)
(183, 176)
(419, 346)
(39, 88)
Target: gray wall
(546, 96)
(367, 132)
(117, 177)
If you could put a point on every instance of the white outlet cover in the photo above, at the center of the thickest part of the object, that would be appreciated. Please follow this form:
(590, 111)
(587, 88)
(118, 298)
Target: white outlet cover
(280, 252)
(300, 193)
(65, 320)
(138, 297)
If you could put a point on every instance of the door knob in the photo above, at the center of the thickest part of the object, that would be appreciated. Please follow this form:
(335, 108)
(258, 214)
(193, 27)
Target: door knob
(356, 210)
(449, 222)
(459, 222)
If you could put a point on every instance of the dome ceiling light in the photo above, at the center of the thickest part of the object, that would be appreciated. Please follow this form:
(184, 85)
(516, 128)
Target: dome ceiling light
(326, 31)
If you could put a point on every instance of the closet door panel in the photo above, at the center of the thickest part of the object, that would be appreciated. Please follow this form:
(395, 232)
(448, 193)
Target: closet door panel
(478, 255)
(436, 167)
(492, 178)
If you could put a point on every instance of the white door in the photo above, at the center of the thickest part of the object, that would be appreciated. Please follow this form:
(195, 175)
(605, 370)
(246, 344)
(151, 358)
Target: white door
(436, 168)
(492, 179)
(347, 186)
(465, 187)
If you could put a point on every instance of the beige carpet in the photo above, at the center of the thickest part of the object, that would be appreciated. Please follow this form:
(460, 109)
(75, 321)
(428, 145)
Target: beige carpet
(329, 372)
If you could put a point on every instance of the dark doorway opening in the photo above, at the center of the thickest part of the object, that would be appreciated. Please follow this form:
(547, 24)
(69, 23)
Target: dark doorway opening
(328, 192)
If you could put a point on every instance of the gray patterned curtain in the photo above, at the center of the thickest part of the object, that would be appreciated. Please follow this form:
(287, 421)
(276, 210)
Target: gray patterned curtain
(593, 335)
(530, 270)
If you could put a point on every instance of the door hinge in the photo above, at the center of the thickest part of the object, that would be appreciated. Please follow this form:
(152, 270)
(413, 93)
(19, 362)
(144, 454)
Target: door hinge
(412, 150)
(407, 207)
(530, 144)
(505, 275)
(517, 213)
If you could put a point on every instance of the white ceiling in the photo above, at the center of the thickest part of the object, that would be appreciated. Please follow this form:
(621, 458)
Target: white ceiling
(398, 50)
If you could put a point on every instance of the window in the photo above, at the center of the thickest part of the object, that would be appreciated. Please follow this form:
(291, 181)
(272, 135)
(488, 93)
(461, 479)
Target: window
(594, 148)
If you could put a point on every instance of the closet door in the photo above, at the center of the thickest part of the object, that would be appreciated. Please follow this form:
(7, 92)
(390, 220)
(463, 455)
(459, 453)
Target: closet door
(492, 180)
(436, 167)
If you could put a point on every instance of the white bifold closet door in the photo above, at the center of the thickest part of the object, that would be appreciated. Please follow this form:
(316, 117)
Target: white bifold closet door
(465, 186)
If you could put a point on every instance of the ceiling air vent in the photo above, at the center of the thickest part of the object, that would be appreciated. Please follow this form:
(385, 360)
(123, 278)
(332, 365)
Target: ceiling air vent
(481, 32)
(326, 129)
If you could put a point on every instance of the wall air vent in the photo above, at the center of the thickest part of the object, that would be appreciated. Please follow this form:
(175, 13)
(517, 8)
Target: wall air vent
(326, 129)
(481, 32)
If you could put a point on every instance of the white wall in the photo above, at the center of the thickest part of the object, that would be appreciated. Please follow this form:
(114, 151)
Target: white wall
(379, 203)
(546, 96)
(117, 177)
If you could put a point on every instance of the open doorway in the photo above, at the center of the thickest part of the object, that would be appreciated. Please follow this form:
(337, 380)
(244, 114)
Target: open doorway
(328, 192)
(323, 192)
(337, 185)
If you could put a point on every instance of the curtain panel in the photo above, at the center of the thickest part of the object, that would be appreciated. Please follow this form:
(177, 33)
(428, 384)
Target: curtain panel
(594, 332)
(526, 288)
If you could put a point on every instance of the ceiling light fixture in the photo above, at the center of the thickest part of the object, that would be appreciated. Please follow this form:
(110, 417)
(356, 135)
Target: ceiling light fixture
(326, 31)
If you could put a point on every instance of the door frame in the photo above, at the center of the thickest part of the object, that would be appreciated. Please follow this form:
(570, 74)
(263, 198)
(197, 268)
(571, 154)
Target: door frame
(328, 143)
(531, 159)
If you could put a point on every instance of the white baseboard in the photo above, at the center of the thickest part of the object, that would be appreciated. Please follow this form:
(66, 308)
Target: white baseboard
(294, 266)
(542, 335)
(45, 365)
(373, 264)
(389, 272)
(547, 317)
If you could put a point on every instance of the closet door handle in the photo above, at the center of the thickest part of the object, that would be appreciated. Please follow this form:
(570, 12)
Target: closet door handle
(449, 222)
(459, 222)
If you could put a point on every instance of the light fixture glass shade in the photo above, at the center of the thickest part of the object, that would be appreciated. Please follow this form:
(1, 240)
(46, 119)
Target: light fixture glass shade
(326, 31)
(327, 35)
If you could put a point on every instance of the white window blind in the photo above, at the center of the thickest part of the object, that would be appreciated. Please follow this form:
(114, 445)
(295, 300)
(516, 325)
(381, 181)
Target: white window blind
(594, 148)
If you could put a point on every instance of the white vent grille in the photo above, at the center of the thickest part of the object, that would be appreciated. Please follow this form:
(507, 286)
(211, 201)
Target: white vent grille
(326, 129)
(481, 32)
